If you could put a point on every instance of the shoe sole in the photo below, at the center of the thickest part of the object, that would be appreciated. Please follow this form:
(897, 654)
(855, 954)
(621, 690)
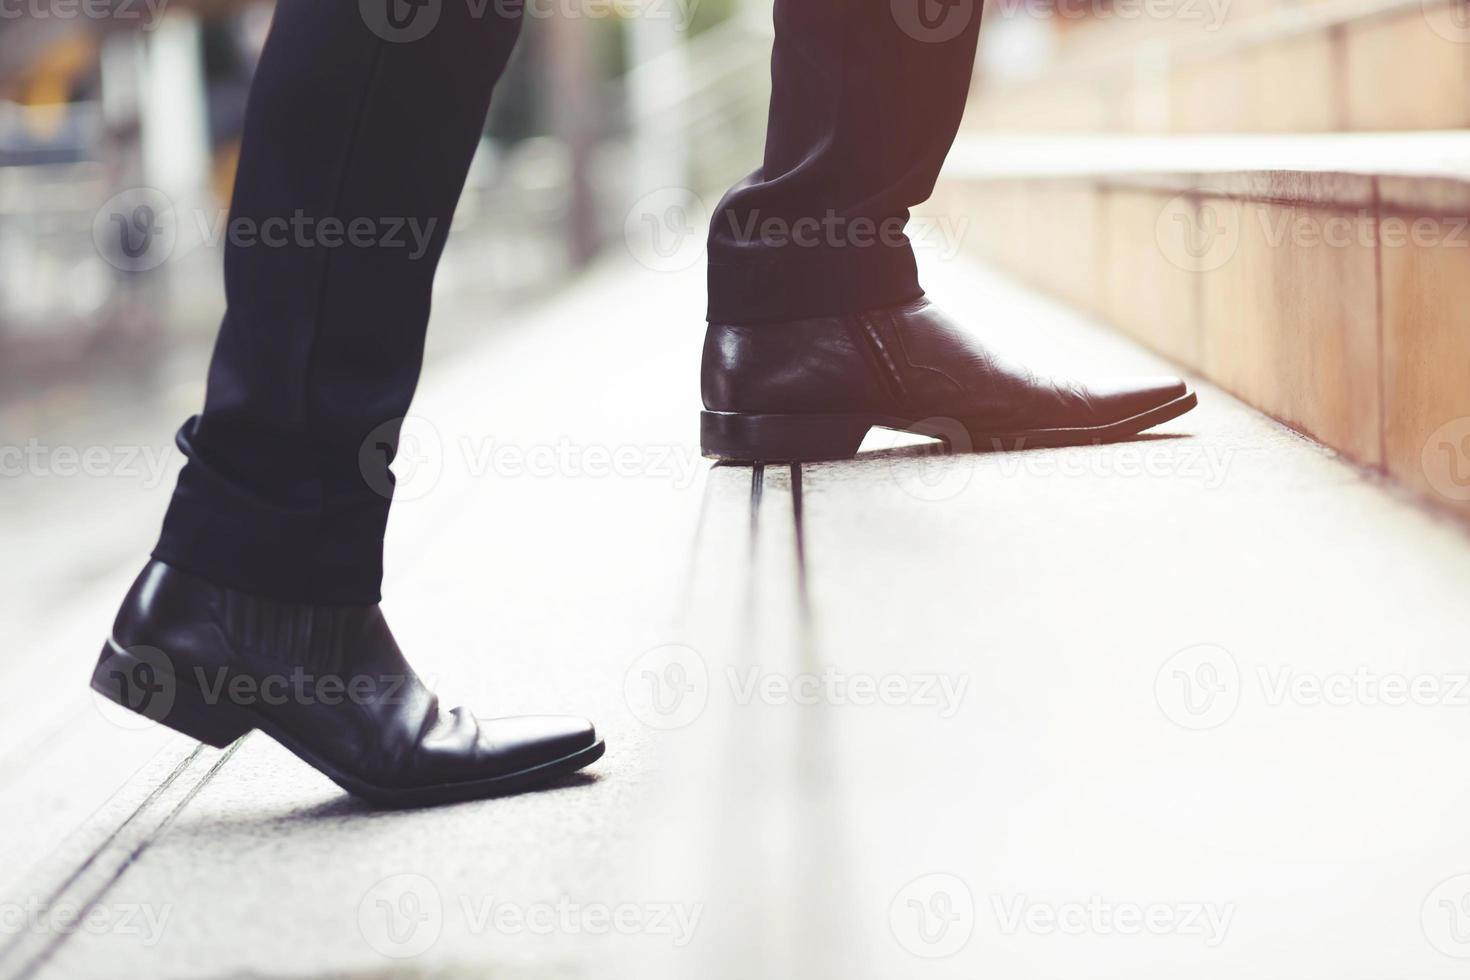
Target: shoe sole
(764, 438)
(179, 704)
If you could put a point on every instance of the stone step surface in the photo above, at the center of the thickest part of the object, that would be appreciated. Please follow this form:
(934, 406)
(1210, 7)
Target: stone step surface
(1188, 702)
(1199, 66)
(1322, 279)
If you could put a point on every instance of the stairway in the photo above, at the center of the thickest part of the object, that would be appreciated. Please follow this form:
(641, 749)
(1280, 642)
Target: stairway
(1007, 687)
(1213, 66)
(1279, 201)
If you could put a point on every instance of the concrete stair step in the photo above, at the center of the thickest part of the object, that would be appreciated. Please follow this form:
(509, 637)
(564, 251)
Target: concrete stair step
(1011, 736)
(1196, 67)
(1323, 279)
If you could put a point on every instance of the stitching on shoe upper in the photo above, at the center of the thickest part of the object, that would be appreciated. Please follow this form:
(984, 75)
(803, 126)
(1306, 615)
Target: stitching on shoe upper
(897, 387)
(915, 365)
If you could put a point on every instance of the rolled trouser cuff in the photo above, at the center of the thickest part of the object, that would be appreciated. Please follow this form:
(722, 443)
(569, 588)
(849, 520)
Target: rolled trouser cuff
(312, 550)
(789, 286)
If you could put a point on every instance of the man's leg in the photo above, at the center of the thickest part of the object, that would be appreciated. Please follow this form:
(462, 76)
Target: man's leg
(819, 329)
(357, 141)
(259, 610)
(866, 100)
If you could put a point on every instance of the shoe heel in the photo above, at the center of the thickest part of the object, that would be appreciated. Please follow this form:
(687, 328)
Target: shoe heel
(751, 438)
(141, 679)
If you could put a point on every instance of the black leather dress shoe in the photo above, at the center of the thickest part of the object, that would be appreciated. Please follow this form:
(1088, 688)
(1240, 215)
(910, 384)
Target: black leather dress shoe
(327, 682)
(811, 389)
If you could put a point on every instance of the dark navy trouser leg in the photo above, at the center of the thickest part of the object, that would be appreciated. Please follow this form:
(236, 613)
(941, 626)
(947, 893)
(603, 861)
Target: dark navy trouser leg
(866, 100)
(358, 138)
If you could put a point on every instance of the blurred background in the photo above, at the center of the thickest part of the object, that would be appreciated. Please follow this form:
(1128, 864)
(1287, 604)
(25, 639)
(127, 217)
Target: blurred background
(102, 354)
(603, 105)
